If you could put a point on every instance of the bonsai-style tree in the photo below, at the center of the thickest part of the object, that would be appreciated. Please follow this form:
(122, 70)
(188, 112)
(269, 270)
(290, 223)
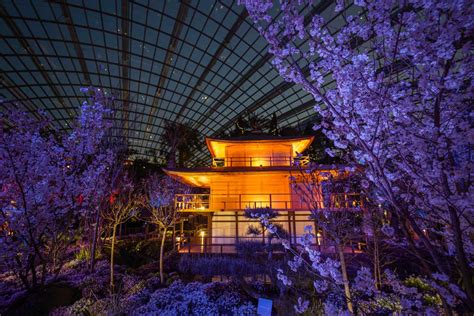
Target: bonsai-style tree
(256, 214)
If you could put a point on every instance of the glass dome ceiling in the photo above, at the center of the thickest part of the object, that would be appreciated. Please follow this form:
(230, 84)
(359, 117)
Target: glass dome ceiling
(196, 62)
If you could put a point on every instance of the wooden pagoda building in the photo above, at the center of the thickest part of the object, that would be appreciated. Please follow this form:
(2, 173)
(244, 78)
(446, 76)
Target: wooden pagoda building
(251, 171)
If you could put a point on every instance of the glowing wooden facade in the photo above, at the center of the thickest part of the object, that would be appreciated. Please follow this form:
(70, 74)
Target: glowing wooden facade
(246, 172)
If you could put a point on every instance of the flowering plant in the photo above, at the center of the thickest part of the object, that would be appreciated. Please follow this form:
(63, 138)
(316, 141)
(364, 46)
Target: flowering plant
(394, 84)
(47, 181)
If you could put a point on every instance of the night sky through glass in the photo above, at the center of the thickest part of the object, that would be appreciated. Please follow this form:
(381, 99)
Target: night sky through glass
(200, 62)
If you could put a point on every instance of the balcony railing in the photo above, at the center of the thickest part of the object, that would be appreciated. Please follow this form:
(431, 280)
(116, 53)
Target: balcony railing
(228, 245)
(260, 161)
(234, 202)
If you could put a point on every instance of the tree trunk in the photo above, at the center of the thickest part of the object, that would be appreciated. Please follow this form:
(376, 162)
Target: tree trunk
(174, 237)
(377, 272)
(377, 268)
(94, 240)
(345, 279)
(34, 282)
(112, 249)
(161, 254)
(462, 260)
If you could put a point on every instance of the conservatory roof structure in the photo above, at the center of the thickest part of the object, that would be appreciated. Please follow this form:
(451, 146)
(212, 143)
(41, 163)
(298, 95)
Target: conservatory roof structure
(197, 62)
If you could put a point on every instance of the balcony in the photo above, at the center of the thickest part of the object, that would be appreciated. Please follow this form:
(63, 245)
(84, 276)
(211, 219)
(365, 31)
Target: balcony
(238, 202)
(228, 245)
(260, 161)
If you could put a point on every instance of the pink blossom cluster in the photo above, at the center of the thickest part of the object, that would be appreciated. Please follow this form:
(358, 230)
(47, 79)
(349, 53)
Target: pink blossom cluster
(49, 179)
(394, 85)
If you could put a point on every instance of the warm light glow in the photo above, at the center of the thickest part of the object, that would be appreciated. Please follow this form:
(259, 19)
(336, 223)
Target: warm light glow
(242, 177)
(202, 234)
(178, 242)
(204, 179)
(258, 162)
(218, 147)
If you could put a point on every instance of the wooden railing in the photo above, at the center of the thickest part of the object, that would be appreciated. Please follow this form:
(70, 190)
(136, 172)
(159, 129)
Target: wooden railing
(228, 245)
(260, 161)
(233, 202)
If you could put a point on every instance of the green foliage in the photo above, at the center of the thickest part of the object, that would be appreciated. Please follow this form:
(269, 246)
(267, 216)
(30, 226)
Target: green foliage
(84, 254)
(388, 303)
(430, 297)
(82, 307)
(417, 282)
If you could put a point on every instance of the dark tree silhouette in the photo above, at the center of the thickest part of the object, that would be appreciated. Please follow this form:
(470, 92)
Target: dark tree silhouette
(182, 140)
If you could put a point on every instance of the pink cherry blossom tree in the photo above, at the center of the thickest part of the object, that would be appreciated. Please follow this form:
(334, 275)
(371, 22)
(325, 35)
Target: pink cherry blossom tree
(115, 145)
(47, 180)
(335, 210)
(394, 82)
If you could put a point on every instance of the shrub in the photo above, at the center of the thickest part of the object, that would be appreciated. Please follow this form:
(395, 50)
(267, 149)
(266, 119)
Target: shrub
(248, 249)
(214, 266)
(196, 299)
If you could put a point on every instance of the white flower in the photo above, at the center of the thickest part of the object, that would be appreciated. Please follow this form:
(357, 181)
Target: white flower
(283, 278)
(321, 286)
(301, 306)
(295, 264)
(330, 152)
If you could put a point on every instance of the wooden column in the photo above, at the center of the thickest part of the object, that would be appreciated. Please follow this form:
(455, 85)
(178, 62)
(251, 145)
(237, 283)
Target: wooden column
(289, 227)
(209, 226)
(236, 227)
(294, 226)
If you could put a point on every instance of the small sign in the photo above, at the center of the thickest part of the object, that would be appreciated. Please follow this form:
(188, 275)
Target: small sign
(264, 307)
